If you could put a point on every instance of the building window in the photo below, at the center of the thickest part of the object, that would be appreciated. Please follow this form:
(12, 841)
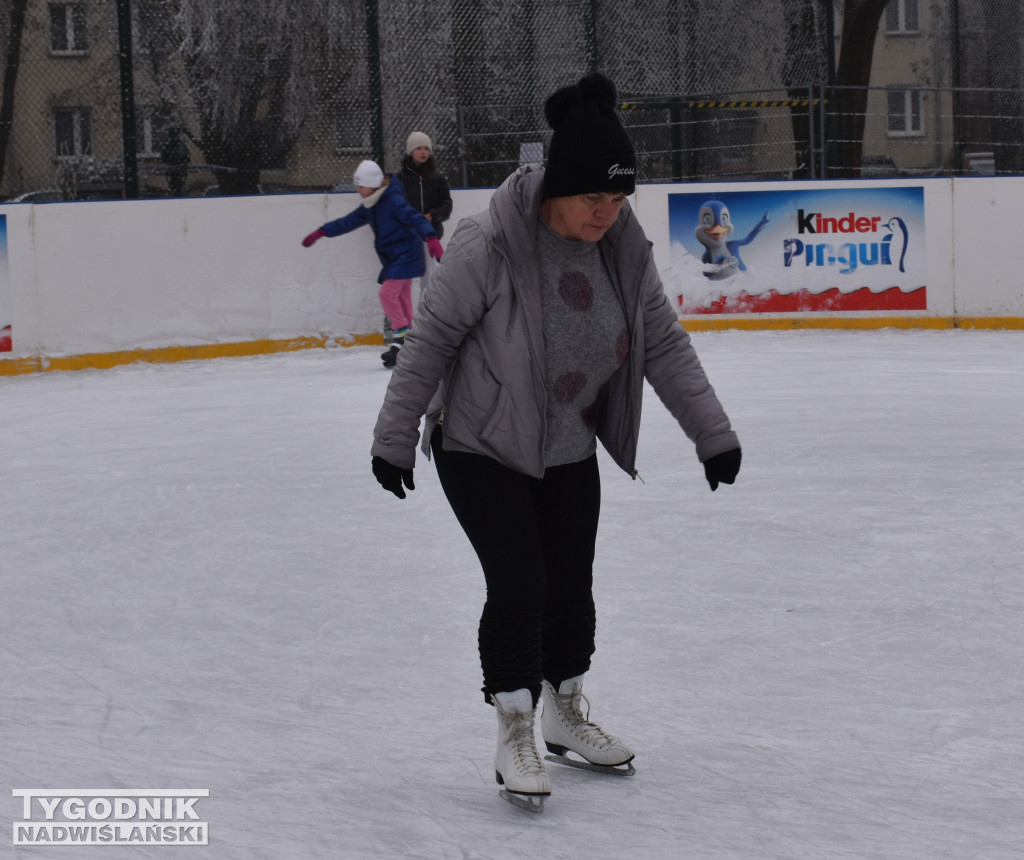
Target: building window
(150, 130)
(351, 131)
(737, 131)
(67, 28)
(72, 129)
(902, 17)
(906, 118)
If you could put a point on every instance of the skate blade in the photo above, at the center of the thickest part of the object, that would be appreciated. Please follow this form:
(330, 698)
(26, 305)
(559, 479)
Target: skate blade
(529, 802)
(624, 769)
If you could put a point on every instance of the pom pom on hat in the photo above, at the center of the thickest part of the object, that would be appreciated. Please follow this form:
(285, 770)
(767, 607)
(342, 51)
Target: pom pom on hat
(595, 86)
(416, 140)
(590, 151)
(368, 175)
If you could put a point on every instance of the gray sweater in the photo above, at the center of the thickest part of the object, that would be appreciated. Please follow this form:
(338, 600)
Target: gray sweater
(585, 341)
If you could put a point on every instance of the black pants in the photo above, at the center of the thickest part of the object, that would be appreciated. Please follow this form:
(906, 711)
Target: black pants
(535, 541)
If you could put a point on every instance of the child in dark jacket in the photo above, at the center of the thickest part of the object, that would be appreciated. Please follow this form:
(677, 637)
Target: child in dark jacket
(427, 190)
(398, 230)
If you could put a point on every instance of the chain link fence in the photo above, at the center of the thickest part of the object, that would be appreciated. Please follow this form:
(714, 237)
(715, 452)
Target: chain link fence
(232, 97)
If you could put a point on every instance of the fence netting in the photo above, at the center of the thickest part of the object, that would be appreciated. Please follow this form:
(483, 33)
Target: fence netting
(231, 97)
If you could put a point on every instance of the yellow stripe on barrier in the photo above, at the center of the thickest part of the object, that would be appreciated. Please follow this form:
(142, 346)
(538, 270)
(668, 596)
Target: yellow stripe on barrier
(162, 355)
(104, 360)
(1016, 323)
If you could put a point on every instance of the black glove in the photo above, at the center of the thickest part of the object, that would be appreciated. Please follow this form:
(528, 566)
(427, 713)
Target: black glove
(722, 468)
(391, 477)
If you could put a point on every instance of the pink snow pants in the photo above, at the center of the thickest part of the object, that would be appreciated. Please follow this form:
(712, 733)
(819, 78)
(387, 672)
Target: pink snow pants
(396, 299)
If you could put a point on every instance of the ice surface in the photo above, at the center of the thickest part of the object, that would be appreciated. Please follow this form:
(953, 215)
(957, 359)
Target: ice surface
(203, 587)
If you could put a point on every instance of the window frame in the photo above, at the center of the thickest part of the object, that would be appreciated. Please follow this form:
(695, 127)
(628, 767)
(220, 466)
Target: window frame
(350, 124)
(151, 125)
(910, 98)
(75, 30)
(82, 139)
(897, 13)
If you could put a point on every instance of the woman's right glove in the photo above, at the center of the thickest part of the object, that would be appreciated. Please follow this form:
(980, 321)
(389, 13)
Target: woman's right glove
(312, 237)
(722, 468)
(391, 478)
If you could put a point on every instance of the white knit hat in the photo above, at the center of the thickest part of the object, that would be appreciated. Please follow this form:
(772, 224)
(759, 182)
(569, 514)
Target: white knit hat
(368, 175)
(416, 140)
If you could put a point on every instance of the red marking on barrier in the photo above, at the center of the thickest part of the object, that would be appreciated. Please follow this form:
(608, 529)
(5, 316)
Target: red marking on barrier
(803, 301)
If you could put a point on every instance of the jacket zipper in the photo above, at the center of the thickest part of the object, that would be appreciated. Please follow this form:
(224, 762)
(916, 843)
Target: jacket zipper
(636, 321)
(443, 414)
(634, 474)
(423, 199)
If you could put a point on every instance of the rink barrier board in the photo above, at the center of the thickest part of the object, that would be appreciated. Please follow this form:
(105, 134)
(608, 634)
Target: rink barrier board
(253, 290)
(166, 355)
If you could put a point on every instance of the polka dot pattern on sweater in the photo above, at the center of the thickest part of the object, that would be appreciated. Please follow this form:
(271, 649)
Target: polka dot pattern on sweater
(585, 341)
(569, 385)
(576, 290)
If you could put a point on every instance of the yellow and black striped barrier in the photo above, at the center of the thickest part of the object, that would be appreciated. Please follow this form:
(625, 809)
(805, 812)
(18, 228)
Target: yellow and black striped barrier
(763, 103)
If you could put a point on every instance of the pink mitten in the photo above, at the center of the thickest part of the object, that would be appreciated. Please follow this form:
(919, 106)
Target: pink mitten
(312, 237)
(434, 247)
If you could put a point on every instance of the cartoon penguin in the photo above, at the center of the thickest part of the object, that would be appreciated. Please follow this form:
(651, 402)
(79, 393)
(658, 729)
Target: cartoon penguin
(714, 226)
(894, 224)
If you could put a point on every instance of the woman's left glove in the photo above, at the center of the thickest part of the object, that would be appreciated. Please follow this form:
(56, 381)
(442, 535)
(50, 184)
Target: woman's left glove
(722, 468)
(434, 247)
(391, 478)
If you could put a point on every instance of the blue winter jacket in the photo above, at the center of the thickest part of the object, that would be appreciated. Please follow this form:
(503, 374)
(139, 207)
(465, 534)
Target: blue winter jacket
(399, 231)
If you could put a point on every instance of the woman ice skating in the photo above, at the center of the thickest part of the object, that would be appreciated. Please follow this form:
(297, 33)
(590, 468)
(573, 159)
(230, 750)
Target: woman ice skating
(533, 343)
(398, 230)
(426, 189)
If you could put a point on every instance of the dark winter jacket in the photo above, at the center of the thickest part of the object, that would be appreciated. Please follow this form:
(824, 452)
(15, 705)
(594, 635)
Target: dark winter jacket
(399, 231)
(432, 196)
(475, 358)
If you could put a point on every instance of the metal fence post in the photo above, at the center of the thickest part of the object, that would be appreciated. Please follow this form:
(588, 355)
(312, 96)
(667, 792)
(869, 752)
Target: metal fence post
(811, 142)
(822, 125)
(676, 125)
(376, 98)
(463, 147)
(129, 145)
(958, 149)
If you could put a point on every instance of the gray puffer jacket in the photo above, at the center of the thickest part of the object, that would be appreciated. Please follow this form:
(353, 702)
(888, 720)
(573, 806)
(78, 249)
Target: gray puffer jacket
(474, 357)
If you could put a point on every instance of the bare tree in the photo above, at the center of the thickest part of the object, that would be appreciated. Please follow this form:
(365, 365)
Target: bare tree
(853, 76)
(252, 73)
(804, 62)
(15, 27)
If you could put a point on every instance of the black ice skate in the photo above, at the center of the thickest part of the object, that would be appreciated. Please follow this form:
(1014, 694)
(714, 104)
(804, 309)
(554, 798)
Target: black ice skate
(390, 355)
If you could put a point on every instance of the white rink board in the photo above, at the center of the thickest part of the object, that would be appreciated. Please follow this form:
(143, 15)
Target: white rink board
(124, 275)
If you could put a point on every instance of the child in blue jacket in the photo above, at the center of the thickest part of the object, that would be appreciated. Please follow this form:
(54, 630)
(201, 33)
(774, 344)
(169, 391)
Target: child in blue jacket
(398, 229)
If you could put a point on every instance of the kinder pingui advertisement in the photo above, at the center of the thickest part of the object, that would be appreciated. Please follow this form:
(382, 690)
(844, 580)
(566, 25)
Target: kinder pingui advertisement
(804, 251)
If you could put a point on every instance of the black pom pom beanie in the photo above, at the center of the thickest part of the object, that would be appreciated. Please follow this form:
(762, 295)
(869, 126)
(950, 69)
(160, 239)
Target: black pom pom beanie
(590, 151)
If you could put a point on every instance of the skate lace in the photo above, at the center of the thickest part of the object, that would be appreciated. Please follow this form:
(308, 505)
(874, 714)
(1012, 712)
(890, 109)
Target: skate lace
(519, 728)
(579, 723)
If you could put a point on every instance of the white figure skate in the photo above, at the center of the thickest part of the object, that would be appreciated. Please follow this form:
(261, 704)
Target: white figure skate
(517, 764)
(566, 729)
